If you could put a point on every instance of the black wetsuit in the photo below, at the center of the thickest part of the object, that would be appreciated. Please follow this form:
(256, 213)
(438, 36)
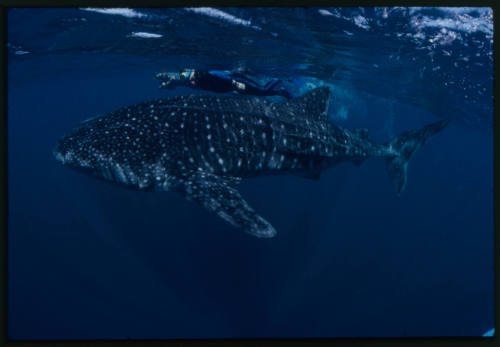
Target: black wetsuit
(226, 82)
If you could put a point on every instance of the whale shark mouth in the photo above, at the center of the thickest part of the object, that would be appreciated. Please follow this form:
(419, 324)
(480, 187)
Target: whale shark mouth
(66, 158)
(69, 158)
(58, 155)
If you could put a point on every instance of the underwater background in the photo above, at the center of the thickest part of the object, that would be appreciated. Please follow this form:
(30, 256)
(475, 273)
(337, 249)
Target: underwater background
(93, 260)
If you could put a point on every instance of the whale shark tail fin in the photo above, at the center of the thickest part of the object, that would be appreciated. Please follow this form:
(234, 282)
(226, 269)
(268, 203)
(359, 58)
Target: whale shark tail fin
(404, 146)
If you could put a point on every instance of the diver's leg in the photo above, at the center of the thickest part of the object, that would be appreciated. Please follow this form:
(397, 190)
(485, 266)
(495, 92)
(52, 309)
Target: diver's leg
(245, 85)
(271, 84)
(272, 90)
(263, 90)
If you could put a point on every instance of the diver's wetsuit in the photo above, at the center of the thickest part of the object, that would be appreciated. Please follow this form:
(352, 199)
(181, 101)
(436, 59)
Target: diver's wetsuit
(222, 82)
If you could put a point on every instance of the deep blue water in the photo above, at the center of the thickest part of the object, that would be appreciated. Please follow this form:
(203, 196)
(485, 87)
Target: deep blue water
(93, 260)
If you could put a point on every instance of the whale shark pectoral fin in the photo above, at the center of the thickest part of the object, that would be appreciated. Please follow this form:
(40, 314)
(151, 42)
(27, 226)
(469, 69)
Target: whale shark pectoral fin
(219, 194)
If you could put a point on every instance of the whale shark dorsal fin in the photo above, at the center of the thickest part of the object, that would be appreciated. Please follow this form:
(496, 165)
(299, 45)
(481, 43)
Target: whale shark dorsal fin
(314, 103)
(218, 194)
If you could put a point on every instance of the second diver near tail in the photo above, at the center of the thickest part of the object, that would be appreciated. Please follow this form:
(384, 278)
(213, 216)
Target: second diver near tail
(221, 82)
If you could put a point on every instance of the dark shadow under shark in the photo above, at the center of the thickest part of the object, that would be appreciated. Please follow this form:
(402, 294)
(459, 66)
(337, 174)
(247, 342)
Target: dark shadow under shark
(202, 146)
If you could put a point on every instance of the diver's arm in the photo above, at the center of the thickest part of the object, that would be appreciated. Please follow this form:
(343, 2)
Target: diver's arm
(163, 76)
(170, 79)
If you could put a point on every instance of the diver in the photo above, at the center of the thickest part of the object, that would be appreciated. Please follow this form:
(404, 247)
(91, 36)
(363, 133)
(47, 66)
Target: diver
(221, 82)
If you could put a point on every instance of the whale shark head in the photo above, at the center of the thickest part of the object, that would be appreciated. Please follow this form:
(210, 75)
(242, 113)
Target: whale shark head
(88, 147)
(87, 154)
(80, 152)
(75, 150)
(121, 147)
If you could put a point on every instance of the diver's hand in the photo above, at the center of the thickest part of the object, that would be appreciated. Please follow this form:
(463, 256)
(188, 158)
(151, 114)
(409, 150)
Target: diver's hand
(165, 84)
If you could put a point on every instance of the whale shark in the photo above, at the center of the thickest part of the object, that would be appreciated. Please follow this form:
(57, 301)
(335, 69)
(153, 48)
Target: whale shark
(202, 146)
